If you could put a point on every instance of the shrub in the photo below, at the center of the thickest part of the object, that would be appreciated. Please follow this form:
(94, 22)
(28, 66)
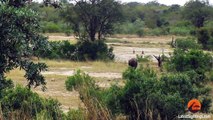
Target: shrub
(145, 97)
(180, 30)
(158, 31)
(140, 32)
(97, 50)
(50, 27)
(190, 60)
(22, 103)
(90, 95)
(130, 27)
(4, 84)
(203, 37)
(84, 50)
(186, 43)
(58, 50)
(78, 114)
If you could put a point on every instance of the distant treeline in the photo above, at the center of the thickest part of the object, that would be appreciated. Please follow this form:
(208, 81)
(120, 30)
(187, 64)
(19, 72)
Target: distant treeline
(151, 18)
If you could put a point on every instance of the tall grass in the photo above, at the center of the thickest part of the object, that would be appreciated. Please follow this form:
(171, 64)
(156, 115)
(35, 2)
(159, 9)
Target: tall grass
(90, 96)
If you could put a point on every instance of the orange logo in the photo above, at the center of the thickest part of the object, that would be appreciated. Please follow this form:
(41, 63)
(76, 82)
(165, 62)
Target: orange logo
(194, 105)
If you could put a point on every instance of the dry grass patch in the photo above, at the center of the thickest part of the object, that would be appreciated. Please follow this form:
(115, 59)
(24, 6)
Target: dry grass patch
(89, 66)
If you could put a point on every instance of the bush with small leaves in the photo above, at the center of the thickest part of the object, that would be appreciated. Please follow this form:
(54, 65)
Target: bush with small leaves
(190, 60)
(146, 96)
(26, 104)
(186, 43)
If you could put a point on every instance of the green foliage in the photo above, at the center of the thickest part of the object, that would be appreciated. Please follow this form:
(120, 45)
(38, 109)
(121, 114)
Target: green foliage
(190, 60)
(4, 84)
(146, 96)
(197, 12)
(58, 50)
(210, 75)
(89, 94)
(83, 50)
(186, 43)
(27, 104)
(75, 115)
(180, 30)
(79, 79)
(143, 58)
(97, 50)
(140, 32)
(15, 3)
(158, 31)
(135, 27)
(204, 37)
(51, 27)
(90, 18)
(111, 98)
(19, 39)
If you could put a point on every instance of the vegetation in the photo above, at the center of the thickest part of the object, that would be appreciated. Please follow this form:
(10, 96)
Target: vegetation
(89, 18)
(186, 44)
(19, 103)
(143, 93)
(151, 97)
(84, 50)
(19, 39)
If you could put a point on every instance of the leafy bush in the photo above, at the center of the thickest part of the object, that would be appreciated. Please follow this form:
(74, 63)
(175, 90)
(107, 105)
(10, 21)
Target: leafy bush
(50, 27)
(158, 31)
(76, 115)
(97, 50)
(190, 60)
(84, 50)
(180, 30)
(140, 32)
(186, 43)
(135, 27)
(26, 104)
(4, 84)
(144, 96)
(203, 37)
(57, 50)
(89, 94)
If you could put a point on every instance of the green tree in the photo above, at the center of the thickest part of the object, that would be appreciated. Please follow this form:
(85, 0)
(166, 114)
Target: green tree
(19, 38)
(91, 17)
(197, 12)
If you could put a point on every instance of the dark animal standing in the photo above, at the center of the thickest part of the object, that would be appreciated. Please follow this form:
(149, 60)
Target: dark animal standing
(159, 59)
(133, 63)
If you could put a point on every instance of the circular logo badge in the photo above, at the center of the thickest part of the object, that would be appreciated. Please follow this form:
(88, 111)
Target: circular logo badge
(194, 105)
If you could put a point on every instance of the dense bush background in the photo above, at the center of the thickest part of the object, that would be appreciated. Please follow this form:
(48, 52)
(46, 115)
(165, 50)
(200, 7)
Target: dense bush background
(83, 50)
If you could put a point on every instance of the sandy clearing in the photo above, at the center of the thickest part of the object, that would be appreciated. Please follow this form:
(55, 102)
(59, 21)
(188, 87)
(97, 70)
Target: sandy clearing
(123, 54)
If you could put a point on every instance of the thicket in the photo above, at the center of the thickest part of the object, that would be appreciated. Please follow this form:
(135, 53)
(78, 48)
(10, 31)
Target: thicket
(185, 43)
(83, 50)
(144, 96)
(22, 103)
(205, 38)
